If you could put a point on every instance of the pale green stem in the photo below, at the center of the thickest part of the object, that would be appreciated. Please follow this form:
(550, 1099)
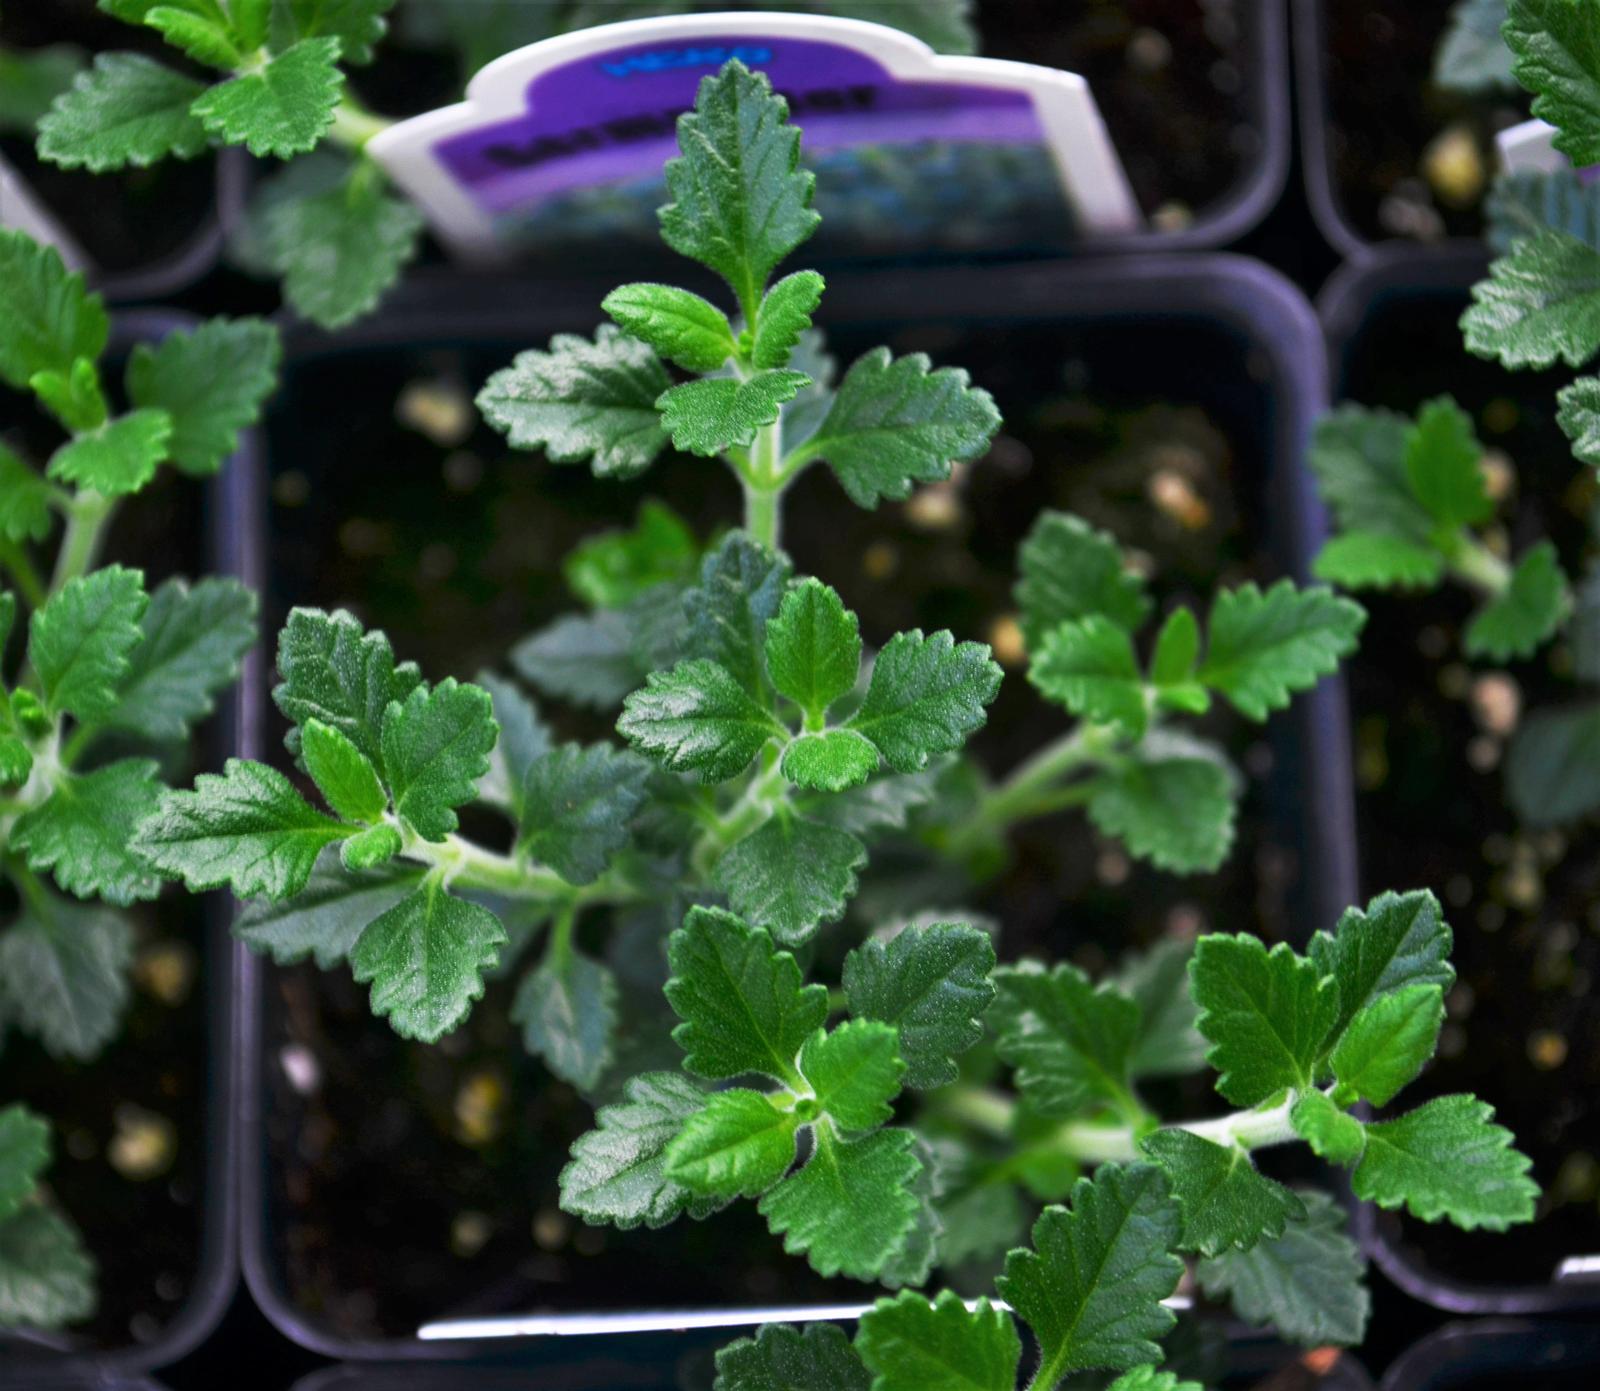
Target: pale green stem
(87, 516)
(1033, 789)
(749, 813)
(469, 866)
(353, 125)
(763, 491)
(1476, 565)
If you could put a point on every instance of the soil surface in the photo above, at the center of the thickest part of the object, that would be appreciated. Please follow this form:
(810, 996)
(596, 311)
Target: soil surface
(1523, 1030)
(409, 1183)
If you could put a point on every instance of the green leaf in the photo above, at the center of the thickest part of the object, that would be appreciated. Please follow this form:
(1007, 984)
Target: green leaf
(64, 976)
(372, 847)
(567, 1009)
(1172, 664)
(1266, 1015)
(194, 640)
(82, 832)
(357, 24)
(737, 1146)
(682, 327)
(912, 1345)
(24, 500)
(740, 201)
(855, 1072)
(1557, 58)
(1168, 1044)
(46, 1276)
(80, 641)
(715, 414)
(578, 805)
(1396, 941)
(1306, 1284)
(697, 719)
(1069, 1041)
(1358, 455)
(1525, 200)
(1374, 560)
(336, 672)
(1089, 666)
(116, 458)
(75, 399)
(211, 382)
(741, 586)
(1472, 57)
(932, 983)
(1148, 1378)
(850, 1208)
(126, 110)
(30, 79)
(523, 740)
(813, 648)
(425, 960)
(927, 694)
(24, 1155)
(204, 38)
(583, 402)
(1579, 417)
(342, 773)
(1553, 765)
(1071, 571)
(1540, 303)
(339, 249)
(884, 804)
(1526, 613)
(831, 762)
(325, 918)
(895, 422)
(1442, 465)
(785, 314)
(740, 999)
(1226, 1203)
(1332, 1134)
(618, 1175)
(282, 108)
(791, 875)
(248, 829)
(1388, 1042)
(1172, 801)
(435, 748)
(616, 567)
(1091, 1291)
(51, 319)
(1263, 646)
(817, 1357)
(1447, 1159)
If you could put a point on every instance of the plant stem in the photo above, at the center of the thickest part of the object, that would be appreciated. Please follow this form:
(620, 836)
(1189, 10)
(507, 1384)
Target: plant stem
(763, 491)
(1476, 565)
(762, 519)
(87, 515)
(752, 809)
(15, 559)
(1033, 790)
(468, 865)
(353, 125)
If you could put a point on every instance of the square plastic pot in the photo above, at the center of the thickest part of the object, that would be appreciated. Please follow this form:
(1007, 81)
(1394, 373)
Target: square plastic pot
(1500, 1355)
(1393, 342)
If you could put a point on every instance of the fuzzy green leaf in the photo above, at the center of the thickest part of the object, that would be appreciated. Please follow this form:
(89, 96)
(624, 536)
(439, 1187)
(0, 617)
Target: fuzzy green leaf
(1089, 666)
(342, 773)
(24, 1155)
(325, 918)
(740, 588)
(591, 660)
(1266, 1015)
(741, 1000)
(1516, 622)
(926, 696)
(1442, 465)
(1070, 1041)
(1472, 57)
(831, 762)
(1524, 200)
(24, 500)
(1557, 58)
(786, 312)
(64, 977)
(850, 1208)
(1173, 661)
(616, 567)
(896, 422)
(1579, 417)
(1553, 765)
(425, 960)
(813, 648)
(204, 38)
(1397, 940)
(682, 327)
(791, 875)
(577, 806)
(855, 1071)
(912, 1345)
(1332, 1134)
(51, 319)
(32, 78)
(1358, 455)
(1069, 570)
(1226, 1203)
(1172, 802)
(740, 201)
(115, 458)
(1305, 1284)
(435, 748)
(282, 108)
(1167, 1044)
(370, 848)
(1261, 647)
(46, 1276)
(817, 1357)
(697, 719)
(248, 829)
(126, 110)
(567, 1010)
(1388, 1042)
(1540, 303)
(1375, 560)
(357, 24)
(1447, 1160)
(932, 983)
(82, 832)
(80, 641)
(715, 414)
(1091, 1290)
(1148, 1378)
(737, 1146)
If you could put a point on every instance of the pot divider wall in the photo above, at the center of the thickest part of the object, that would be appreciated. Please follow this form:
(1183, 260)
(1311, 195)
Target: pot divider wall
(1500, 1355)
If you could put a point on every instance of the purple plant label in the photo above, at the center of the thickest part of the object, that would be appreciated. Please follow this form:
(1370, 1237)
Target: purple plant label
(1530, 147)
(598, 110)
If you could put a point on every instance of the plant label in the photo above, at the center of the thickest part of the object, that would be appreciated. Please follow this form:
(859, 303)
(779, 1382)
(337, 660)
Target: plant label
(21, 209)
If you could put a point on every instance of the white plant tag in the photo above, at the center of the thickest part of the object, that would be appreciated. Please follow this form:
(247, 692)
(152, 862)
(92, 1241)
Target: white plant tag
(21, 209)
(597, 110)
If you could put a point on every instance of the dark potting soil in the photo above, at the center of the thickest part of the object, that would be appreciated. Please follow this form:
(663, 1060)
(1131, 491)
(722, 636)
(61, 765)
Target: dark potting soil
(409, 1183)
(129, 218)
(1385, 112)
(1523, 1029)
(128, 1127)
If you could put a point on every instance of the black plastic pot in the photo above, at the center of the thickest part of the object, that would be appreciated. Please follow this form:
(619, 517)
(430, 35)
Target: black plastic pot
(1499, 1355)
(1149, 317)
(223, 548)
(1409, 298)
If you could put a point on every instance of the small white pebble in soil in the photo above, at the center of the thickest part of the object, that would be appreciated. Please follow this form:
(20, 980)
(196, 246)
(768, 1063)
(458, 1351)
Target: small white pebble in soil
(469, 1234)
(1007, 454)
(1176, 497)
(1499, 478)
(438, 409)
(880, 560)
(1111, 866)
(364, 538)
(1185, 922)
(1403, 216)
(462, 471)
(551, 1228)
(1453, 165)
(1547, 1050)
(1458, 891)
(1497, 703)
(1521, 886)
(144, 1145)
(300, 1066)
(1139, 562)
(1461, 1001)
(480, 1108)
(1172, 216)
(1452, 1041)
(1551, 846)
(1005, 637)
(166, 970)
(935, 508)
(437, 561)
(1149, 50)
(291, 488)
(1483, 753)
(1455, 681)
